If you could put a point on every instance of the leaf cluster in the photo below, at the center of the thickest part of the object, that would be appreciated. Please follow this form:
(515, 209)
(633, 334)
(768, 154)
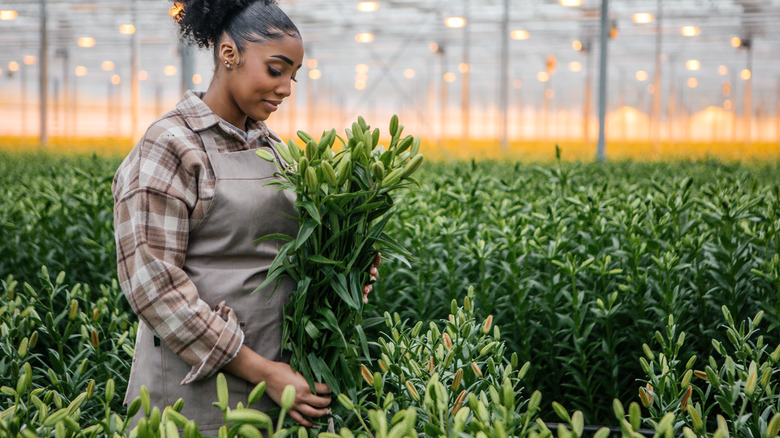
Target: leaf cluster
(343, 203)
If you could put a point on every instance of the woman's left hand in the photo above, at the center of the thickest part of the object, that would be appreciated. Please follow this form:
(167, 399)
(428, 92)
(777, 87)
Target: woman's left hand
(374, 272)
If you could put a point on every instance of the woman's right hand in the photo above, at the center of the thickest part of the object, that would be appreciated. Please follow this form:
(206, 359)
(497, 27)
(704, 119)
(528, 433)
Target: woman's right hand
(255, 368)
(306, 404)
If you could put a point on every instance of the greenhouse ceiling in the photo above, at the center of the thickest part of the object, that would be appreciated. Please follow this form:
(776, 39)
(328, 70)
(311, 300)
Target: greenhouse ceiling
(372, 53)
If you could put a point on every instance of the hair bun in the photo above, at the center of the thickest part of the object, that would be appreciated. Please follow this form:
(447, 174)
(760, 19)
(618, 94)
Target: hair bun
(203, 21)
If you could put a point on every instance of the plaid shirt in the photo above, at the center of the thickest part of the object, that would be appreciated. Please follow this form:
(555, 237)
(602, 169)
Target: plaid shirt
(161, 193)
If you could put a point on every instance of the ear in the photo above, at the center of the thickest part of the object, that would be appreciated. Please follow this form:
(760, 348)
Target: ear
(227, 51)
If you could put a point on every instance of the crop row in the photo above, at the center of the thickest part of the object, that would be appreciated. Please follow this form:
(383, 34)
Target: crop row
(579, 264)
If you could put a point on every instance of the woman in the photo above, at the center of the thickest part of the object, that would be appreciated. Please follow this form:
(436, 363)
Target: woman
(190, 202)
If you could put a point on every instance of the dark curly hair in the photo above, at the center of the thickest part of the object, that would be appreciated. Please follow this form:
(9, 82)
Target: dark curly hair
(204, 21)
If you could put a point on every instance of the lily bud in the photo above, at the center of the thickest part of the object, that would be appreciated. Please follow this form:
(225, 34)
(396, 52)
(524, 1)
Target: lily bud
(288, 397)
(345, 401)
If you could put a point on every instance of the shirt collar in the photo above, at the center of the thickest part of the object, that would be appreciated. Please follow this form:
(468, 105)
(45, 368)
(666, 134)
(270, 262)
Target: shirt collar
(199, 117)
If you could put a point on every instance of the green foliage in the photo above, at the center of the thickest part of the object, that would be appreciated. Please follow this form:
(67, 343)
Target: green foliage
(57, 211)
(76, 339)
(736, 394)
(579, 262)
(454, 376)
(343, 202)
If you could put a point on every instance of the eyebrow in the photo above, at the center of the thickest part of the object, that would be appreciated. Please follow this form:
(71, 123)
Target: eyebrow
(284, 58)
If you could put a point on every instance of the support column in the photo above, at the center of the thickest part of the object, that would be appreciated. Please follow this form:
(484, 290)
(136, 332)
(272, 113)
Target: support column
(44, 76)
(504, 92)
(657, 83)
(601, 153)
(465, 81)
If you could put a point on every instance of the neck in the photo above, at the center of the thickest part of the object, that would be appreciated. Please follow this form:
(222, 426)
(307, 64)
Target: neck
(219, 101)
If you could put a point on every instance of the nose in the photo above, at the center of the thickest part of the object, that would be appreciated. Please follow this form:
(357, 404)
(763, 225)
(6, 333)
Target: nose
(284, 88)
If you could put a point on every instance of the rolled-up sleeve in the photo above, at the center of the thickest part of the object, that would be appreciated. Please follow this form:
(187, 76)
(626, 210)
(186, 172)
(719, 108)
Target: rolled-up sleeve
(155, 191)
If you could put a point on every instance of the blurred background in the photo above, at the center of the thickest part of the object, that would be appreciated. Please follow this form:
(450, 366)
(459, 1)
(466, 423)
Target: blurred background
(474, 78)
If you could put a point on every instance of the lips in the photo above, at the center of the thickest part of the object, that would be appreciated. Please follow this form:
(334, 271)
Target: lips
(272, 105)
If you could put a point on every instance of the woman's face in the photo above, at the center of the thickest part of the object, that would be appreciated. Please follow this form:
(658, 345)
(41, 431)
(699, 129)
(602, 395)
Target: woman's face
(264, 77)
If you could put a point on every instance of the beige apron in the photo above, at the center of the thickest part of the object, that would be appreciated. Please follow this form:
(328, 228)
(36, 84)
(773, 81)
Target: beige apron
(225, 264)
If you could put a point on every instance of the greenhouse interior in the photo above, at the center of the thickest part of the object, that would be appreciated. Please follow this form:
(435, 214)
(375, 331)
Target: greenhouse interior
(463, 74)
(484, 219)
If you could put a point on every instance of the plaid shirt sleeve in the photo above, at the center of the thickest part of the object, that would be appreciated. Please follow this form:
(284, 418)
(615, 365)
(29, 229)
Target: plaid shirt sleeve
(161, 192)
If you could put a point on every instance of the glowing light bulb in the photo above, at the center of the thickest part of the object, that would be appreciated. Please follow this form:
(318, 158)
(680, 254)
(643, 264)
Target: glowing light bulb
(367, 6)
(86, 42)
(364, 38)
(520, 34)
(454, 22)
(689, 31)
(642, 18)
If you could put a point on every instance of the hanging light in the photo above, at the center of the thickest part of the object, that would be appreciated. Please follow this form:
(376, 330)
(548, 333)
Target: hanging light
(520, 34)
(107, 65)
(723, 70)
(450, 77)
(115, 79)
(454, 22)
(542, 76)
(80, 70)
(169, 70)
(367, 6)
(365, 37)
(30, 60)
(315, 74)
(126, 29)
(689, 31)
(143, 75)
(693, 82)
(311, 63)
(575, 66)
(570, 3)
(196, 79)
(642, 18)
(409, 73)
(745, 74)
(736, 41)
(576, 45)
(8, 15)
(641, 75)
(464, 68)
(692, 64)
(86, 42)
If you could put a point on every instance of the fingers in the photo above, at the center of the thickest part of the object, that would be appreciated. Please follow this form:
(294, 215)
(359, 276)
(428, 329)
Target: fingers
(321, 388)
(295, 415)
(312, 412)
(316, 401)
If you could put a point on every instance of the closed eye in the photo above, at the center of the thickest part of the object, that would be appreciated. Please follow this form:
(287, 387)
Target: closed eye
(274, 72)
